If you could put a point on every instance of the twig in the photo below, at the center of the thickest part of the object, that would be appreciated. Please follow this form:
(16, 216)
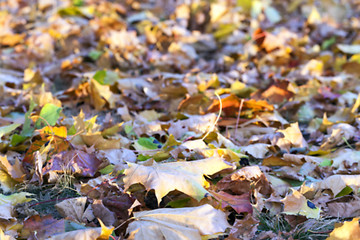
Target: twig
(217, 119)
(238, 116)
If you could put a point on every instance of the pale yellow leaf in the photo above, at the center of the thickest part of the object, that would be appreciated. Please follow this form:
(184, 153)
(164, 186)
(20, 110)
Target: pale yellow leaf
(177, 223)
(186, 177)
(346, 231)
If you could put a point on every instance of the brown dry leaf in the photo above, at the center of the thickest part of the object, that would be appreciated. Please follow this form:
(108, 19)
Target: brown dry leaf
(244, 229)
(97, 188)
(11, 39)
(99, 142)
(336, 183)
(240, 203)
(41, 227)
(292, 138)
(101, 94)
(349, 230)
(347, 207)
(231, 104)
(120, 204)
(74, 208)
(15, 171)
(103, 213)
(242, 180)
(177, 223)
(339, 133)
(276, 93)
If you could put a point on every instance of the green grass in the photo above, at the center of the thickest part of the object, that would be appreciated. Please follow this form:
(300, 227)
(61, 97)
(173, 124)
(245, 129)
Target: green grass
(308, 230)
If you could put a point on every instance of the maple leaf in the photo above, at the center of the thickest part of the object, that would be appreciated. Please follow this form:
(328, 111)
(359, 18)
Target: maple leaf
(178, 223)
(187, 177)
(346, 230)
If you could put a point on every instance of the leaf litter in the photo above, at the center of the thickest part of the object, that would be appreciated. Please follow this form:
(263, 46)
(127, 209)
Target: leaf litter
(179, 119)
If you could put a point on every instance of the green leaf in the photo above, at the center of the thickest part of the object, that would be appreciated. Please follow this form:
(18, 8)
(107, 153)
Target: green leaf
(27, 130)
(326, 163)
(129, 131)
(143, 157)
(346, 190)
(78, 3)
(50, 113)
(149, 143)
(100, 76)
(179, 203)
(294, 183)
(8, 129)
(17, 139)
(71, 130)
(327, 43)
(95, 54)
(69, 11)
(224, 30)
(105, 77)
(108, 169)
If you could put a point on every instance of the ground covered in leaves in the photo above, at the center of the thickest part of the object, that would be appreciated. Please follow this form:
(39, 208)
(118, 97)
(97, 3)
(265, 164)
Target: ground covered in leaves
(179, 119)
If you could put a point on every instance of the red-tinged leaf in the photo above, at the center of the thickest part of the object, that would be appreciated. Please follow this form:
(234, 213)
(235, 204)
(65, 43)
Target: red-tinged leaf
(240, 203)
(37, 227)
(79, 162)
(231, 104)
(276, 93)
(119, 204)
(245, 179)
(28, 160)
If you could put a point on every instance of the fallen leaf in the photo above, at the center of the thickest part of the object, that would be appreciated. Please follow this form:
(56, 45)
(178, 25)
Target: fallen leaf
(9, 201)
(185, 223)
(73, 208)
(346, 207)
(186, 177)
(240, 203)
(42, 227)
(292, 138)
(348, 230)
(75, 161)
(241, 181)
(336, 183)
(295, 203)
(244, 228)
(86, 234)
